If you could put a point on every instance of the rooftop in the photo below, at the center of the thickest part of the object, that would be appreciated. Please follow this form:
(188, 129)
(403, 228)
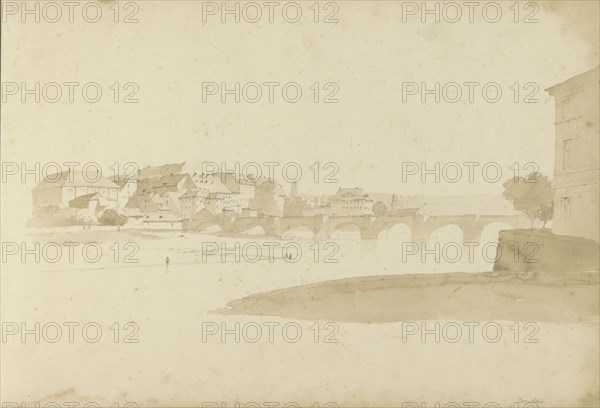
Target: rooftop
(76, 179)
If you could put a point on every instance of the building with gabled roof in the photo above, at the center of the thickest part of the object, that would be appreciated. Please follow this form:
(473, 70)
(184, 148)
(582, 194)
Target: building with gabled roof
(236, 185)
(178, 183)
(351, 201)
(143, 202)
(191, 202)
(224, 192)
(89, 201)
(161, 171)
(128, 185)
(61, 188)
(210, 183)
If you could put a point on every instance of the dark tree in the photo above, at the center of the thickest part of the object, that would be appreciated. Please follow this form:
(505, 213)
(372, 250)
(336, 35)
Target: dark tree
(112, 217)
(380, 208)
(267, 198)
(532, 195)
(293, 207)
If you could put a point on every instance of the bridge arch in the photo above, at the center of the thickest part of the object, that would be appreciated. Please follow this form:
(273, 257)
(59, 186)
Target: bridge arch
(295, 225)
(300, 230)
(255, 225)
(256, 230)
(490, 232)
(448, 232)
(345, 230)
(399, 232)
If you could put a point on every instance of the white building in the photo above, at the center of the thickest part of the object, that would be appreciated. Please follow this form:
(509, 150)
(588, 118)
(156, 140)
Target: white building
(351, 202)
(61, 188)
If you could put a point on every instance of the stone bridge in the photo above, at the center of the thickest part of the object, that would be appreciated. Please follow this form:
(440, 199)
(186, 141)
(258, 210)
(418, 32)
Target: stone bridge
(323, 227)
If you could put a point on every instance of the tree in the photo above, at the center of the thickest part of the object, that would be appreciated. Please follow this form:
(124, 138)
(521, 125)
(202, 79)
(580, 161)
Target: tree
(293, 207)
(267, 198)
(56, 216)
(545, 213)
(532, 195)
(112, 217)
(380, 208)
(85, 217)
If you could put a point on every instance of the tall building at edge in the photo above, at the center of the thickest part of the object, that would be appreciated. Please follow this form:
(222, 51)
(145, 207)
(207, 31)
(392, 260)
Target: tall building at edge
(577, 151)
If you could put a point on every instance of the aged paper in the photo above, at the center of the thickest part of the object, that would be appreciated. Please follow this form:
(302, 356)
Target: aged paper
(346, 203)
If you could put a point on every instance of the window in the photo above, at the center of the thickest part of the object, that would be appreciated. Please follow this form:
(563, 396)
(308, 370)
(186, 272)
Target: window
(564, 208)
(567, 151)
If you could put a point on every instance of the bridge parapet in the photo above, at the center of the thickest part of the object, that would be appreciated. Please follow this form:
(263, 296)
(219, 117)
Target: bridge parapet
(370, 226)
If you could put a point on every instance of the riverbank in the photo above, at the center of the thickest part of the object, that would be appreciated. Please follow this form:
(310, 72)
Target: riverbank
(448, 296)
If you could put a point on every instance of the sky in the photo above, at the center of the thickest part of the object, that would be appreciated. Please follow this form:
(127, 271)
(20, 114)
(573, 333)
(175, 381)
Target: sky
(375, 134)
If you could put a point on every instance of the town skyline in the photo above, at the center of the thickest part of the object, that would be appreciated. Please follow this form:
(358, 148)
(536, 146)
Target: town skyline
(117, 190)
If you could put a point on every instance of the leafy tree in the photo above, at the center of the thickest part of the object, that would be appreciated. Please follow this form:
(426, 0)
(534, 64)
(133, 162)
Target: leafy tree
(266, 198)
(56, 216)
(532, 195)
(293, 207)
(51, 209)
(545, 213)
(85, 216)
(112, 217)
(380, 208)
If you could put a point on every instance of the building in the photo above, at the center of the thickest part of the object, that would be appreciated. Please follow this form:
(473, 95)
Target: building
(223, 203)
(143, 202)
(90, 202)
(62, 188)
(577, 164)
(161, 171)
(223, 192)
(214, 203)
(151, 210)
(168, 201)
(190, 203)
(127, 187)
(162, 220)
(176, 183)
(351, 201)
(165, 191)
(249, 212)
(237, 185)
(135, 217)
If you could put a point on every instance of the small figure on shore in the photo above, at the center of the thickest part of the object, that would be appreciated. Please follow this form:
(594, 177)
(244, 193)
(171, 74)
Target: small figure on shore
(167, 261)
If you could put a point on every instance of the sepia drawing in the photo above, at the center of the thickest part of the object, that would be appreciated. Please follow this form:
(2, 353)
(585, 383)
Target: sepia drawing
(300, 204)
